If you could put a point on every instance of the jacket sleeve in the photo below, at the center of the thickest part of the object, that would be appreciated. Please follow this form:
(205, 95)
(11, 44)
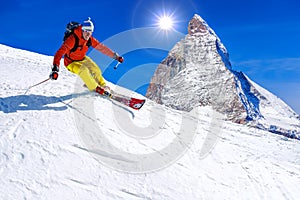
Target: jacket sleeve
(102, 48)
(65, 47)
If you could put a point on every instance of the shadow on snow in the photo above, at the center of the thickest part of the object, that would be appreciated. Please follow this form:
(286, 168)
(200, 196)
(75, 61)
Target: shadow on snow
(35, 102)
(38, 102)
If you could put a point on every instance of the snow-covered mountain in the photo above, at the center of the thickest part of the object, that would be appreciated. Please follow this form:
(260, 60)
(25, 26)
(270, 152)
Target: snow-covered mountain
(60, 141)
(197, 72)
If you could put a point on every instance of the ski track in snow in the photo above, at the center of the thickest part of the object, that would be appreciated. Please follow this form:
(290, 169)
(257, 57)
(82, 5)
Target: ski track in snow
(42, 155)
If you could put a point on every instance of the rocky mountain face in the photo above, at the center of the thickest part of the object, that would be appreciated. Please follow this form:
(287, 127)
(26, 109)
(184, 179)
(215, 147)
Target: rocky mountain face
(197, 72)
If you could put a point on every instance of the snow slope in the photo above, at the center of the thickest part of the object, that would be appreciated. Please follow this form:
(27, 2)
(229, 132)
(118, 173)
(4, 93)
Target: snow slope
(50, 150)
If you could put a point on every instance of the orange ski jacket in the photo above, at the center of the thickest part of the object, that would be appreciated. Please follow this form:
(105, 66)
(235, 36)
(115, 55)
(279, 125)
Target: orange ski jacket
(81, 50)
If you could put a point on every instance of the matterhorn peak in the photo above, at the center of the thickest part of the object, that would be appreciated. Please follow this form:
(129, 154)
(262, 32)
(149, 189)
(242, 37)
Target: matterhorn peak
(197, 25)
(197, 72)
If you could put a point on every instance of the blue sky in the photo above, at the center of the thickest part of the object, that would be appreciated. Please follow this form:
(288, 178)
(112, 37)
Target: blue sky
(261, 36)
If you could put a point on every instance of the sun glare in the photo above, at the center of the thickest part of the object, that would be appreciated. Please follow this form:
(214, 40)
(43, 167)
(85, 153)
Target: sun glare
(165, 22)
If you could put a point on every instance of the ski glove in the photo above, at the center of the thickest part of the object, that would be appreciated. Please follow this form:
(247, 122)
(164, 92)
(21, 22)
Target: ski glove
(54, 73)
(118, 58)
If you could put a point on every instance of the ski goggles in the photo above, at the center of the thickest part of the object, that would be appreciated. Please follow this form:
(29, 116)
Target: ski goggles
(87, 30)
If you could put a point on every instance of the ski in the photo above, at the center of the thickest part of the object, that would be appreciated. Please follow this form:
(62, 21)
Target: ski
(131, 102)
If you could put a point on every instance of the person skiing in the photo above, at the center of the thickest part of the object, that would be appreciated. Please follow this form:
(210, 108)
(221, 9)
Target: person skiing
(74, 50)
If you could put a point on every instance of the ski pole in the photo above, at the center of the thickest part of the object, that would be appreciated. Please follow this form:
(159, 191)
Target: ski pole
(116, 65)
(37, 84)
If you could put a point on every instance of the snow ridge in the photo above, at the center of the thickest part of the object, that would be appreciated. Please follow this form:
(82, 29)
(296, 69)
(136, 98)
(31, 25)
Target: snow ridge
(248, 98)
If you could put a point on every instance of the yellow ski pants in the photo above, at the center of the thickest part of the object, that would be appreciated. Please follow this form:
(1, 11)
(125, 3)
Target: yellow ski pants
(88, 71)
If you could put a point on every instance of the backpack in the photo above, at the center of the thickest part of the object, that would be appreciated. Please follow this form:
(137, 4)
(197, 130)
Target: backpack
(70, 30)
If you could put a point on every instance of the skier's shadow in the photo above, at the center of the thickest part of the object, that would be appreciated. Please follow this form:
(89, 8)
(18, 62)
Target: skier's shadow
(35, 102)
(38, 102)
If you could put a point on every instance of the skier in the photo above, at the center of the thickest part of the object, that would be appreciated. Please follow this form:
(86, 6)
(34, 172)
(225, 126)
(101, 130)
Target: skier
(74, 50)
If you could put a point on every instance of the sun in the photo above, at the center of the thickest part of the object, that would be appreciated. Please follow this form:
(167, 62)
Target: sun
(165, 22)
